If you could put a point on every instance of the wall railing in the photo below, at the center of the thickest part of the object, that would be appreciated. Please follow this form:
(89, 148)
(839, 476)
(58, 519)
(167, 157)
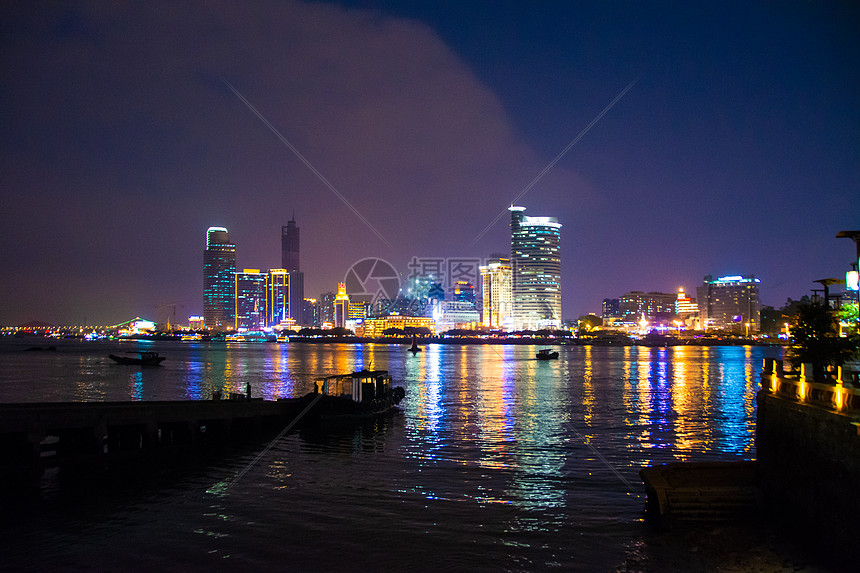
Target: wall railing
(840, 393)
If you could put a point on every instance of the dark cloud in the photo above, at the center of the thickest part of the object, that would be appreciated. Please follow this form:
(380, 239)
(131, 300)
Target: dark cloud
(121, 144)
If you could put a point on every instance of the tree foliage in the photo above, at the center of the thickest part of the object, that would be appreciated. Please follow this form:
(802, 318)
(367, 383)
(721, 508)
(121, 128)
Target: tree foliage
(815, 339)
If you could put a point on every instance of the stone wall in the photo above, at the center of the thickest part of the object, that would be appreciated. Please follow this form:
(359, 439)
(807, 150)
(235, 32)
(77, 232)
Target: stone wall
(808, 451)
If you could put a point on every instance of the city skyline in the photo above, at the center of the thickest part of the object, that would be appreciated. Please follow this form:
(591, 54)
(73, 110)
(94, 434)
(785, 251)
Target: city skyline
(672, 141)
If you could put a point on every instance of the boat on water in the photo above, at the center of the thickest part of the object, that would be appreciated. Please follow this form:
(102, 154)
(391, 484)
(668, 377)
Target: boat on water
(144, 358)
(414, 348)
(355, 396)
(547, 354)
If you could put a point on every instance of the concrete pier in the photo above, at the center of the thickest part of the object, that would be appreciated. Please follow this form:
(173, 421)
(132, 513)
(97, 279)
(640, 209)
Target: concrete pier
(35, 437)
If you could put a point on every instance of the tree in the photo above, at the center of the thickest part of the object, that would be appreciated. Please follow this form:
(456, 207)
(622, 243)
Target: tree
(815, 340)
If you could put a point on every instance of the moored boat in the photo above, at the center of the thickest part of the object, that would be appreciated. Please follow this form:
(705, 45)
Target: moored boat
(144, 358)
(355, 396)
(547, 354)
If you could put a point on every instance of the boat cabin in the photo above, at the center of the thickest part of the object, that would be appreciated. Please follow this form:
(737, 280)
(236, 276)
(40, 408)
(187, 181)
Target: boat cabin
(358, 386)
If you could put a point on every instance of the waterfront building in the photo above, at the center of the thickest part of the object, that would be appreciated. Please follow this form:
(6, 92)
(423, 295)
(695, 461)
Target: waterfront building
(496, 295)
(278, 297)
(652, 306)
(536, 263)
(730, 303)
(341, 306)
(311, 313)
(358, 310)
(219, 268)
(297, 296)
(464, 291)
(250, 300)
(611, 308)
(374, 327)
(687, 309)
(327, 309)
(290, 246)
(456, 314)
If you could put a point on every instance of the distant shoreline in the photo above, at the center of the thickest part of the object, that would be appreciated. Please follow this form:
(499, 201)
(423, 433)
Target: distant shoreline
(423, 341)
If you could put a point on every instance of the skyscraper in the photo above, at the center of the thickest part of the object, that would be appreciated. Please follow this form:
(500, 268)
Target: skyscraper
(219, 269)
(341, 306)
(290, 246)
(278, 297)
(496, 293)
(290, 262)
(250, 306)
(536, 262)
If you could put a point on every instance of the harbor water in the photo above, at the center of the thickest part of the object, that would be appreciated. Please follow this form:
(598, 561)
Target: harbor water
(496, 460)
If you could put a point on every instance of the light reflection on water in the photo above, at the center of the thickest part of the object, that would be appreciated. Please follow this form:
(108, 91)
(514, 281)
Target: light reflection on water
(515, 458)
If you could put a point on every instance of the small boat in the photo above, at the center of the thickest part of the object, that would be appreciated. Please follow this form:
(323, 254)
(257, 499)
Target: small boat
(145, 358)
(547, 354)
(354, 397)
(414, 348)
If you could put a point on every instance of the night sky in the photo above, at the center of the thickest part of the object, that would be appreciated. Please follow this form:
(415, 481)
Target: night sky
(736, 151)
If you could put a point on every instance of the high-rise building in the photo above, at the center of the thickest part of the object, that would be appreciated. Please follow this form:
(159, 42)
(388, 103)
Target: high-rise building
(730, 303)
(536, 262)
(496, 277)
(250, 301)
(219, 269)
(327, 308)
(290, 246)
(341, 306)
(311, 313)
(290, 262)
(278, 297)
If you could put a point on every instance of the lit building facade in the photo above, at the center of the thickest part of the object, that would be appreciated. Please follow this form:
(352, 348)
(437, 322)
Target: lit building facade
(496, 294)
(219, 269)
(374, 327)
(250, 301)
(341, 306)
(730, 303)
(464, 291)
(652, 306)
(536, 265)
(278, 297)
(326, 309)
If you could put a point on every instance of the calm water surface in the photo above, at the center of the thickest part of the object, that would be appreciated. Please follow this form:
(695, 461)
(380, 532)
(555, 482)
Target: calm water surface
(497, 461)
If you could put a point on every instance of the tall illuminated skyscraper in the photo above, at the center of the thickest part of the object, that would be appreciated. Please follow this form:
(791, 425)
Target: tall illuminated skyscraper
(219, 269)
(536, 262)
(278, 297)
(290, 262)
(341, 306)
(250, 306)
(496, 293)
